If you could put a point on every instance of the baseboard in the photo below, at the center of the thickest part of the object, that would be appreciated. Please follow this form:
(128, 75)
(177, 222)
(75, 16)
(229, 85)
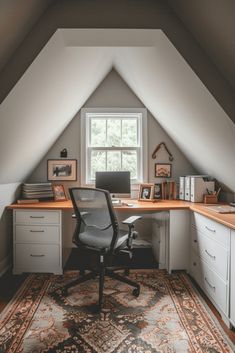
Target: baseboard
(4, 265)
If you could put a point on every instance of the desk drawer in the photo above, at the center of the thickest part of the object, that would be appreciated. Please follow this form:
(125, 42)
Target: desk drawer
(37, 258)
(211, 228)
(210, 282)
(212, 252)
(37, 217)
(37, 234)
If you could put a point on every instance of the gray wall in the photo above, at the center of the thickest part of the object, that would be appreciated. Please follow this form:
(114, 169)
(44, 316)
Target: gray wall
(114, 92)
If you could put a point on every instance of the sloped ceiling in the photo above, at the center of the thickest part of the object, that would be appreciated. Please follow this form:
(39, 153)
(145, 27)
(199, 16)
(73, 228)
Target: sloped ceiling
(16, 20)
(72, 65)
(212, 23)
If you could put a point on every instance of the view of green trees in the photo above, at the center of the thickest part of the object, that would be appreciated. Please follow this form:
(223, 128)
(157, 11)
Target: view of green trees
(114, 133)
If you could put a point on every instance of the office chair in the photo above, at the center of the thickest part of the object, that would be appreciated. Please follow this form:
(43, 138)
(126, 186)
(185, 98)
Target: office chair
(97, 230)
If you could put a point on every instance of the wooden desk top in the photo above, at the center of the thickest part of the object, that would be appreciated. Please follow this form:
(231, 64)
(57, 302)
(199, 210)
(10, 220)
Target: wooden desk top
(162, 205)
(141, 206)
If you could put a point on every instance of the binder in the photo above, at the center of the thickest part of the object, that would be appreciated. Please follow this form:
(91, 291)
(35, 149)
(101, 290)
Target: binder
(182, 188)
(187, 190)
(199, 187)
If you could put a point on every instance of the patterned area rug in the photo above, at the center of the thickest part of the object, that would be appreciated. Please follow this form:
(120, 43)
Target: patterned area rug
(168, 316)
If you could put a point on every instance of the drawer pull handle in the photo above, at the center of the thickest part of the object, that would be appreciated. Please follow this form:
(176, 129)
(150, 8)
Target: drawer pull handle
(37, 216)
(37, 255)
(210, 285)
(36, 231)
(212, 256)
(195, 241)
(211, 230)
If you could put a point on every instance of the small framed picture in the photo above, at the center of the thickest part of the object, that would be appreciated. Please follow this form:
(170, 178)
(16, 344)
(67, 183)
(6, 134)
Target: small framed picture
(146, 192)
(59, 193)
(157, 191)
(62, 169)
(162, 170)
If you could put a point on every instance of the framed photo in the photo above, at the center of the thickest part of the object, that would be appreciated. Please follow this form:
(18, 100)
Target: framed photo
(59, 193)
(62, 169)
(162, 170)
(158, 191)
(146, 192)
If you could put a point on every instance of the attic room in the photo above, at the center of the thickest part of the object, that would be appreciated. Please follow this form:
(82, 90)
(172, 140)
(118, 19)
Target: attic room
(101, 99)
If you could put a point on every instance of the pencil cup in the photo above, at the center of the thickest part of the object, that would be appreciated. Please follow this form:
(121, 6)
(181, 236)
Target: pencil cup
(210, 199)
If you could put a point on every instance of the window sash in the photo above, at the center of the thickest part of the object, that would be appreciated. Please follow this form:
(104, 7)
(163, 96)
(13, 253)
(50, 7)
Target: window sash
(107, 149)
(123, 113)
(106, 117)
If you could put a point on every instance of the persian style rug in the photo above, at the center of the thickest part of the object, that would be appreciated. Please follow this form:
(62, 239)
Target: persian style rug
(168, 316)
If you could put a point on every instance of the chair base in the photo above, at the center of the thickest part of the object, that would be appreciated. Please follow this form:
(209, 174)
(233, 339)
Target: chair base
(101, 274)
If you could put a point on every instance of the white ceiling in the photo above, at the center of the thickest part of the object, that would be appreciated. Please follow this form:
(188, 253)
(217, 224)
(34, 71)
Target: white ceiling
(72, 65)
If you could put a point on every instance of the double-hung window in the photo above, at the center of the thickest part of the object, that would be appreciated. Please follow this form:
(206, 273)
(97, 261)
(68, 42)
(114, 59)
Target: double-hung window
(113, 140)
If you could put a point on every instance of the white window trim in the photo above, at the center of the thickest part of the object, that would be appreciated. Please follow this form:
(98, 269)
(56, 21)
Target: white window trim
(84, 138)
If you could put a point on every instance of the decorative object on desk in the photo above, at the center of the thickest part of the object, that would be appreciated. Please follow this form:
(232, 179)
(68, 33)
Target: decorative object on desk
(146, 192)
(168, 190)
(64, 153)
(62, 169)
(59, 193)
(39, 318)
(162, 144)
(157, 191)
(162, 170)
(41, 191)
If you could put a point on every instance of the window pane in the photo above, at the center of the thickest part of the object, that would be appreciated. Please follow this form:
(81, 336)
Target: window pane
(129, 162)
(98, 132)
(129, 132)
(98, 162)
(113, 132)
(114, 160)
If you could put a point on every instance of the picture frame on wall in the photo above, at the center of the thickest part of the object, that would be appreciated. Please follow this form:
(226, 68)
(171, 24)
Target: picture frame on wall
(146, 192)
(163, 170)
(59, 192)
(62, 169)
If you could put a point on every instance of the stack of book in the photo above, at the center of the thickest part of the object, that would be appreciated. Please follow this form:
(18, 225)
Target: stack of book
(36, 192)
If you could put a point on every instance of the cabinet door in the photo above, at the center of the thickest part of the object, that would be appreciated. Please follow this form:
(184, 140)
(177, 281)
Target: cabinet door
(179, 240)
(232, 287)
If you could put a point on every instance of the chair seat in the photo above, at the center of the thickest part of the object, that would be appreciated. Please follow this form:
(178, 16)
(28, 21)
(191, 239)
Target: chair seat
(100, 239)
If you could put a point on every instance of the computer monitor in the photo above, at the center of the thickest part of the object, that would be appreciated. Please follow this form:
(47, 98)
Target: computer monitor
(117, 183)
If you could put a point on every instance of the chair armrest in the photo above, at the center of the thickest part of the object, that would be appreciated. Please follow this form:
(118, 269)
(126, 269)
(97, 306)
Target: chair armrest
(82, 214)
(131, 220)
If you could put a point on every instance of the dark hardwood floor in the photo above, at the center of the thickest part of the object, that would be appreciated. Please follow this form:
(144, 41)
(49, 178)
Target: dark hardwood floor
(9, 284)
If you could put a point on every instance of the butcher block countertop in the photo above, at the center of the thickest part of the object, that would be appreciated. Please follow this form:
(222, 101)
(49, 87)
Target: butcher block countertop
(135, 206)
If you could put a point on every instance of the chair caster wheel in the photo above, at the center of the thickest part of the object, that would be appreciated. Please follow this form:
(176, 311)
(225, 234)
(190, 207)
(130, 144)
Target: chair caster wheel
(136, 292)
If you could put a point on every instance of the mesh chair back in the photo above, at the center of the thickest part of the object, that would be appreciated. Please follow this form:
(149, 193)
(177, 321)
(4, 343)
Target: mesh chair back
(93, 209)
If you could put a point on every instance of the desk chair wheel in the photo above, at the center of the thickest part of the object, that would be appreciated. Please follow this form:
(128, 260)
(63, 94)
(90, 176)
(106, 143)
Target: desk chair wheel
(136, 292)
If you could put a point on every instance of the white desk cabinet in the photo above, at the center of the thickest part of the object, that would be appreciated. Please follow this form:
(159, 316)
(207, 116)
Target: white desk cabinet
(178, 240)
(232, 287)
(210, 259)
(37, 241)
